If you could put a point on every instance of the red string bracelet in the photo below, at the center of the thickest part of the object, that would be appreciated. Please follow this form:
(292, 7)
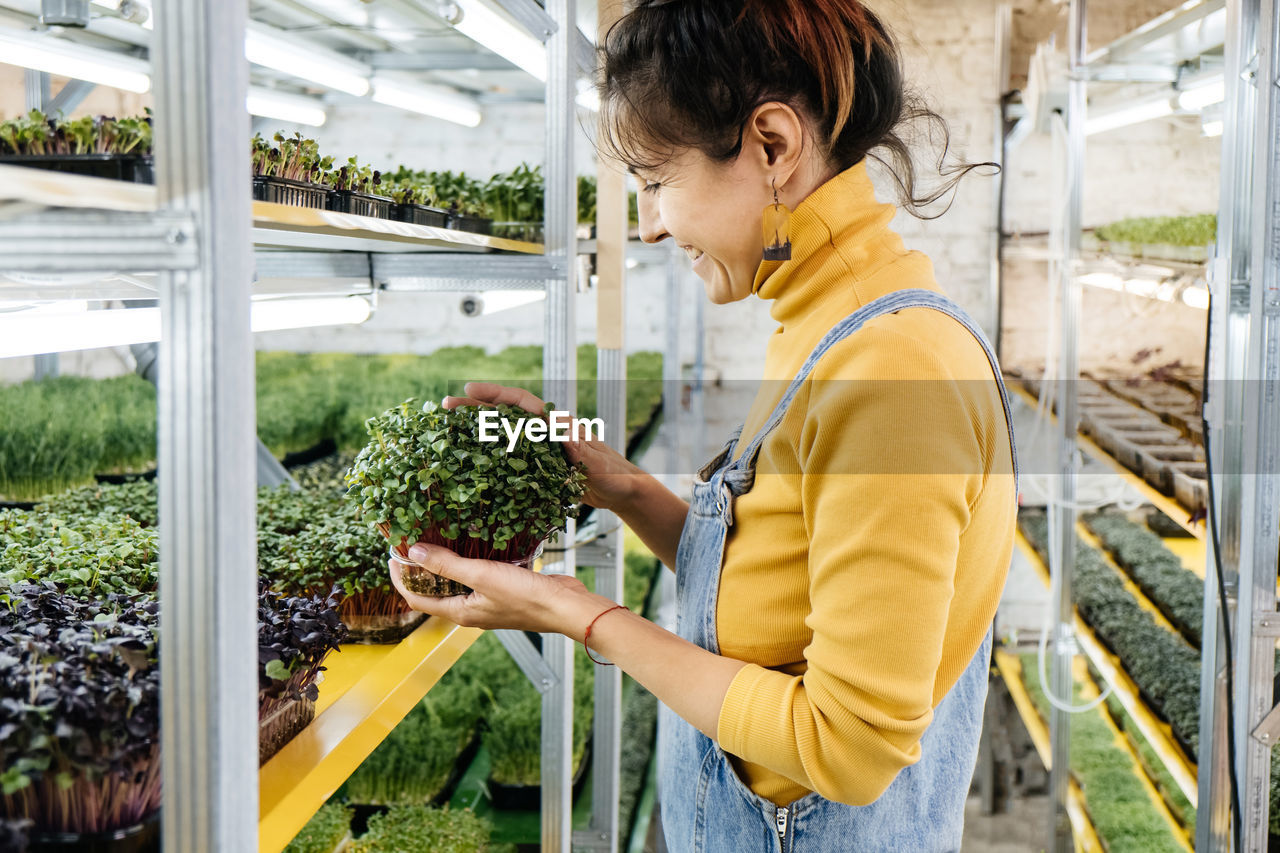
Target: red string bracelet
(587, 636)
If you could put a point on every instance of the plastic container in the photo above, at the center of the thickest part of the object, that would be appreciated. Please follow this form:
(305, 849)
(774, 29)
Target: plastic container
(282, 725)
(529, 797)
(381, 628)
(360, 204)
(1155, 465)
(421, 581)
(286, 191)
(420, 214)
(473, 224)
(139, 838)
(131, 168)
(1190, 486)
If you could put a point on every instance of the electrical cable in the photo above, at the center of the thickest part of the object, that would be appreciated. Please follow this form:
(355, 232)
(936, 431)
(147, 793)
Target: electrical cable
(1212, 523)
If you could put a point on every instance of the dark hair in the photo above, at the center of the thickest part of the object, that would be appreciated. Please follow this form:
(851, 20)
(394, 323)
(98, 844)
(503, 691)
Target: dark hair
(688, 73)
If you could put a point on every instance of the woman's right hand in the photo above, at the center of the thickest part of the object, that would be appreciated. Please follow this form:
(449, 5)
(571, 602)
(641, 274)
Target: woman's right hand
(611, 479)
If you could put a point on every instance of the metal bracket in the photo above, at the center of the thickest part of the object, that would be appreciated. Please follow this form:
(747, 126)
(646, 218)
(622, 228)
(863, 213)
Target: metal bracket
(271, 472)
(528, 659)
(590, 839)
(1266, 624)
(1269, 729)
(70, 97)
(532, 17)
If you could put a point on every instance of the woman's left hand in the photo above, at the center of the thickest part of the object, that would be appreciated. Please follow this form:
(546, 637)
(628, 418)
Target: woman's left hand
(503, 595)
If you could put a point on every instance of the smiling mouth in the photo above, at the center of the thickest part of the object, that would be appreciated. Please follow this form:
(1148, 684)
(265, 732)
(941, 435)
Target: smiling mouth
(693, 253)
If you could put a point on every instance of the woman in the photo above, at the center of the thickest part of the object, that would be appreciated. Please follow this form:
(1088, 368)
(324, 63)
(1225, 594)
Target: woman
(839, 566)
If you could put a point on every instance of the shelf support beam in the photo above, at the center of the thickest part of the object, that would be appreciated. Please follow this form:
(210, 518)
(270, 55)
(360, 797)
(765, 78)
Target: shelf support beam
(208, 576)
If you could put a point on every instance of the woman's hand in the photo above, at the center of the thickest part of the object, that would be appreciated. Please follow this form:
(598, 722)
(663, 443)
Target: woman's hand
(611, 479)
(503, 595)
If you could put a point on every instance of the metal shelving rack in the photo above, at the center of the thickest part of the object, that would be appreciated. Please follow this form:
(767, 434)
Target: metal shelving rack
(1243, 407)
(191, 232)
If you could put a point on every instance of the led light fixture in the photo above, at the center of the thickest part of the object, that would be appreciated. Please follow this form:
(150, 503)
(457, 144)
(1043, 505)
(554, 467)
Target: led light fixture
(1194, 100)
(67, 327)
(269, 48)
(1146, 111)
(484, 26)
(296, 109)
(492, 301)
(52, 55)
(428, 100)
(1212, 128)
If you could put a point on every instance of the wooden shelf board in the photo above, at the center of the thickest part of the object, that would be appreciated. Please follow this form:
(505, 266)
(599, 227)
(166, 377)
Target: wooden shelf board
(366, 692)
(278, 225)
(1164, 503)
(1085, 837)
(1157, 732)
(46, 188)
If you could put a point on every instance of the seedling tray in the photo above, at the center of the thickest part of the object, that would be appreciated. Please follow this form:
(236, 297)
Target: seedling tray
(473, 224)
(1190, 486)
(131, 168)
(282, 725)
(139, 838)
(380, 629)
(286, 191)
(420, 214)
(360, 204)
(1155, 465)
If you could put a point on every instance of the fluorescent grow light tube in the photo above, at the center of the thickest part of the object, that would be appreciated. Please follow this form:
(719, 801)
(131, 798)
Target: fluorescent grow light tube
(1194, 100)
(296, 109)
(493, 301)
(1126, 116)
(269, 48)
(1212, 128)
(428, 100)
(486, 27)
(69, 327)
(67, 59)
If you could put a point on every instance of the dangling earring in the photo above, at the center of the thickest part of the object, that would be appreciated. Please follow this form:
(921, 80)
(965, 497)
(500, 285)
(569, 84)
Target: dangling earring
(777, 229)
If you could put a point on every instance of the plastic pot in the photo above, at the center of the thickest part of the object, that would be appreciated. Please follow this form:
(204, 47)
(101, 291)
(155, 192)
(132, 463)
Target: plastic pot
(420, 214)
(360, 204)
(422, 581)
(282, 725)
(474, 224)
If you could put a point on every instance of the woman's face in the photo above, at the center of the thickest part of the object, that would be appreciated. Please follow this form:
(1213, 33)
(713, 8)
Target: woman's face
(713, 212)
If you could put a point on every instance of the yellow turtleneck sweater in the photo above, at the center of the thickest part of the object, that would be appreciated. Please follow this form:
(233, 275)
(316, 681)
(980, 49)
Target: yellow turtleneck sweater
(864, 567)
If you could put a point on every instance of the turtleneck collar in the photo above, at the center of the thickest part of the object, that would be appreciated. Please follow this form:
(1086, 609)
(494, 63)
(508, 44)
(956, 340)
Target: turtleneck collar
(837, 224)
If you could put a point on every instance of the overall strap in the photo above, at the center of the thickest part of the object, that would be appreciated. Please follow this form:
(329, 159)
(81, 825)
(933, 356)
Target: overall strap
(741, 474)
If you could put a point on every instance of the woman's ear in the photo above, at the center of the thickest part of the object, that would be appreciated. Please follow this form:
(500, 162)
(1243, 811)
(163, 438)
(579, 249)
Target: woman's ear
(774, 140)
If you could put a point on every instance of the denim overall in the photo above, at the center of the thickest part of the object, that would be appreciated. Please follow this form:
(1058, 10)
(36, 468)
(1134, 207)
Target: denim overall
(706, 808)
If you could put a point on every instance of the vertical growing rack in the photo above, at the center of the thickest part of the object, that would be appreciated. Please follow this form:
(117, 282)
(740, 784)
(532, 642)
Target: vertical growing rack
(1242, 405)
(195, 231)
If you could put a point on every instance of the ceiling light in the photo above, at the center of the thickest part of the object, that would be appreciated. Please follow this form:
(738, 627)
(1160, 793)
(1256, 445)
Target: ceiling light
(1194, 100)
(275, 314)
(426, 99)
(267, 47)
(1126, 116)
(1212, 128)
(68, 59)
(484, 26)
(294, 109)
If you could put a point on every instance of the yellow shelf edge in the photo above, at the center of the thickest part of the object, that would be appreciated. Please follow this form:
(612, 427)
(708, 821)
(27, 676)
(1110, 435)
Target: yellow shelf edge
(310, 768)
(1157, 733)
(1089, 691)
(1084, 835)
(270, 216)
(1164, 503)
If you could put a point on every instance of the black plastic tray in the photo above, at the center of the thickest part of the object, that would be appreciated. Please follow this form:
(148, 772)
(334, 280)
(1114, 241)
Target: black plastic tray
(420, 214)
(131, 168)
(141, 838)
(286, 191)
(360, 204)
(473, 224)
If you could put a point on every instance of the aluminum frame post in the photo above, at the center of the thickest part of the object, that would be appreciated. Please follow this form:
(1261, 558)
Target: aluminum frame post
(671, 373)
(1064, 514)
(1260, 506)
(559, 375)
(1229, 334)
(208, 576)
